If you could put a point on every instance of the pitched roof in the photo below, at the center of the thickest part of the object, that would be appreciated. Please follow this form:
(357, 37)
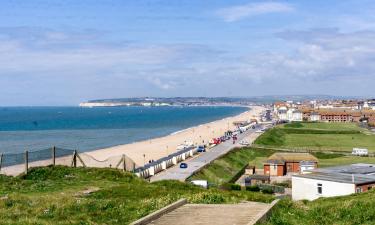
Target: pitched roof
(281, 158)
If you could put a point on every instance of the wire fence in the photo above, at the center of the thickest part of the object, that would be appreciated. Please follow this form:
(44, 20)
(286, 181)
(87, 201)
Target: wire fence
(13, 164)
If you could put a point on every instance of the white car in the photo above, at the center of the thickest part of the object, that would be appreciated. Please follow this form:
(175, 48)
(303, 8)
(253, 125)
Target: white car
(244, 142)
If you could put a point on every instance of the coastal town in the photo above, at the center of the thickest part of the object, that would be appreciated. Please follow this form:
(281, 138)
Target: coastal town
(188, 112)
(282, 170)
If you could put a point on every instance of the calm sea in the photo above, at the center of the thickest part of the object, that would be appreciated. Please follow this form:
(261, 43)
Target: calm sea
(33, 128)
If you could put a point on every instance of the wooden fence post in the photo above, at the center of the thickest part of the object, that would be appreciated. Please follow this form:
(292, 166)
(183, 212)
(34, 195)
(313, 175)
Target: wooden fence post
(74, 162)
(26, 161)
(1, 160)
(124, 166)
(53, 155)
(75, 158)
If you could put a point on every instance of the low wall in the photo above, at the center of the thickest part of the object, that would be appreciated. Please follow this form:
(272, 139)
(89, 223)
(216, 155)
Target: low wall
(264, 215)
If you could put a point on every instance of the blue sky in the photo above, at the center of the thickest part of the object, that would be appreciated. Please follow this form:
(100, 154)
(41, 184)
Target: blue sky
(68, 51)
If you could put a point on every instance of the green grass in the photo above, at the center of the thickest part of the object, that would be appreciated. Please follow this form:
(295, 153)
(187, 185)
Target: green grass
(345, 160)
(318, 136)
(347, 210)
(325, 160)
(55, 196)
(223, 169)
(324, 126)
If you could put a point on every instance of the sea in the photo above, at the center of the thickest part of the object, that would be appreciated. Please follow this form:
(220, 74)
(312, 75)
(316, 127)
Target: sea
(86, 129)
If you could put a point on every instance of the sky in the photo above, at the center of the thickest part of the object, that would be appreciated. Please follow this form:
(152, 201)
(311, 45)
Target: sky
(68, 51)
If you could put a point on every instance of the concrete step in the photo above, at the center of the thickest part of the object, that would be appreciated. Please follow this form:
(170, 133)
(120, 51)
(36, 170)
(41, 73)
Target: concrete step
(205, 214)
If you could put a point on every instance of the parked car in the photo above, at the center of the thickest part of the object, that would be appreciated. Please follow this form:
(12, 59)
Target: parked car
(183, 165)
(201, 148)
(215, 141)
(244, 142)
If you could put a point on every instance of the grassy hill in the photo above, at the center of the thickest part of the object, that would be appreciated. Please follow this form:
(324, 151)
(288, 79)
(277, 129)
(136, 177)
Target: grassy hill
(226, 167)
(347, 210)
(63, 195)
(318, 136)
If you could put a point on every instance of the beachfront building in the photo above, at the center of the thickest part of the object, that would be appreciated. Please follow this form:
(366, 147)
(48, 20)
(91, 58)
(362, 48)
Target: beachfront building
(338, 116)
(281, 164)
(333, 181)
(296, 115)
(314, 116)
(282, 116)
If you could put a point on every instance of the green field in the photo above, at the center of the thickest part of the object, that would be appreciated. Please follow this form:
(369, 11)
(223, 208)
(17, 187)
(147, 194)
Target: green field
(223, 169)
(65, 195)
(349, 210)
(318, 136)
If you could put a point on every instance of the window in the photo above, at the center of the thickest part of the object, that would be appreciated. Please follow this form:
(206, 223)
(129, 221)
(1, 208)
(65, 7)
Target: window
(358, 190)
(320, 189)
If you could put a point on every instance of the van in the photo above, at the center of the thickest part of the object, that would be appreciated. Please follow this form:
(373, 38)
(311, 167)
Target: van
(202, 183)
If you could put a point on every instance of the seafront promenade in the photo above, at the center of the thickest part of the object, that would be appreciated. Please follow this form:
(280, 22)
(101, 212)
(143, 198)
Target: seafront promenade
(201, 160)
(154, 149)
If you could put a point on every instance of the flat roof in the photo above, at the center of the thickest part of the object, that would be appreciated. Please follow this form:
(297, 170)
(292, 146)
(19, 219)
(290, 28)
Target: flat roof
(339, 177)
(358, 168)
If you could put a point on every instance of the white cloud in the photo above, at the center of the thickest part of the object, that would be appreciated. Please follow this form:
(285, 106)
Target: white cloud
(239, 12)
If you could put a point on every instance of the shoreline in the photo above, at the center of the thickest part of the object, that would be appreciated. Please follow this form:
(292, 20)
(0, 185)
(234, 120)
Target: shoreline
(152, 149)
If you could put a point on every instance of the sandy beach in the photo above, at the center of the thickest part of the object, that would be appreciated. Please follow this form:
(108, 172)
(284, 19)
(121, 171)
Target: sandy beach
(154, 149)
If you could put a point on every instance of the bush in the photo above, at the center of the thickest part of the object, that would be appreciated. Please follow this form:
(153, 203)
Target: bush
(226, 186)
(286, 184)
(235, 187)
(267, 191)
(253, 188)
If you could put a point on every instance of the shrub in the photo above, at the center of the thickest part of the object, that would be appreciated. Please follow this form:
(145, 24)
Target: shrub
(253, 188)
(267, 191)
(235, 187)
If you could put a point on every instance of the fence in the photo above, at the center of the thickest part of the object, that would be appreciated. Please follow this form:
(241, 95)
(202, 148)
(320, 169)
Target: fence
(309, 149)
(274, 188)
(13, 164)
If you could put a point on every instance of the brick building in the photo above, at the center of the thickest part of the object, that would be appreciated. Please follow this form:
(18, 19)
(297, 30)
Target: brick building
(280, 164)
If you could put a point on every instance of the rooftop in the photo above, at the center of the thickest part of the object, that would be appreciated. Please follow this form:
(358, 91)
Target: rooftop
(291, 157)
(339, 177)
(353, 174)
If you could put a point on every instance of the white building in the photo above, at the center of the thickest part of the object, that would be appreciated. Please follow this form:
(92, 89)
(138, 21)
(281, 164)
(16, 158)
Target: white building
(334, 181)
(296, 115)
(282, 115)
(314, 116)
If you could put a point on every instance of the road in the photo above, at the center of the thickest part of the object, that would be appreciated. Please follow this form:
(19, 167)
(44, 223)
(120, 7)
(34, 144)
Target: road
(199, 161)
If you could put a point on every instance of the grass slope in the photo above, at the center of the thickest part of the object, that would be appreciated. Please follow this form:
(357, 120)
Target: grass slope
(57, 196)
(223, 169)
(348, 210)
(324, 136)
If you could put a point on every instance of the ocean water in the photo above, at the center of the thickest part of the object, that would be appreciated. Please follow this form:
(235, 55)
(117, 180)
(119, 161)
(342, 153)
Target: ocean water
(85, 129)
